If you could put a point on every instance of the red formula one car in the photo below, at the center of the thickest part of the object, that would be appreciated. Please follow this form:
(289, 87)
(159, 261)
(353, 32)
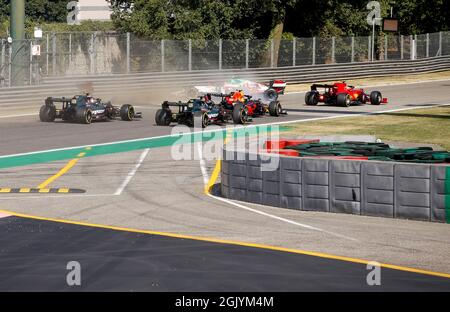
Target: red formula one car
(253, 108)
(341, 94)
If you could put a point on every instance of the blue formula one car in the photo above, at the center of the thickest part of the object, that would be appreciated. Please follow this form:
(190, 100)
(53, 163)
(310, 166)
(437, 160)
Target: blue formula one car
(84, 109)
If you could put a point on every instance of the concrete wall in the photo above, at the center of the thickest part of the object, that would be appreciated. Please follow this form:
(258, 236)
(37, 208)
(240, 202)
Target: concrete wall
(383, 189)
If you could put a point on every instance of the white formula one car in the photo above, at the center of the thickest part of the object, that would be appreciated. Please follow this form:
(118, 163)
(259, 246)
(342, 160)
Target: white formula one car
(264, 92)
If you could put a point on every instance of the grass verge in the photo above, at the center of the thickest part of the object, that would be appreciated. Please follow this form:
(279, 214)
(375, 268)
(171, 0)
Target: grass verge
(427, 126)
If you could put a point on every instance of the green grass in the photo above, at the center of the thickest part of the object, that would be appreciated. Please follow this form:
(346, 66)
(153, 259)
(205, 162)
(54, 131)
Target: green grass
(430, 126)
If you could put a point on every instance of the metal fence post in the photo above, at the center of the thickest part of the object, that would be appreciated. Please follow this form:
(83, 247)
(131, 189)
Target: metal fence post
(440, 44)
(401, 47)
(333, 50)
(293, 51)
(163, 61)
(2, 60)
(91, 54)
(70, 50)
(9, 65)
(31, 62)
(220, 54)
(415, 47)
(47, 52)
(53, 54)
(411, 47)
(190, 56)
(386, 47)
(428, 46)
(353, 49)
(246, 52)
(314, 51)
(271, 53)
(128, 52)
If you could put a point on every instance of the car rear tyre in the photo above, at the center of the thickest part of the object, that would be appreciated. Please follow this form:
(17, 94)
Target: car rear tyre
(84, 116)
(47, 113)
(163, 117)
(311, 98)
(239, 114)
(343, 99)
(127, 112)
(275, 109)
(375, 98)
(271, 95)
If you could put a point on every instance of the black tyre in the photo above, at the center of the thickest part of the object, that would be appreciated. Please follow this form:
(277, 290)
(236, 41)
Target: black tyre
(84, 116)
(200, 118)
(47, 113)
(311, 98)
(205, 120)
(239, 114)
(127, 112)
(271, 95)
(163, 117)
(343, 99)
(375, 98)
(275, 109)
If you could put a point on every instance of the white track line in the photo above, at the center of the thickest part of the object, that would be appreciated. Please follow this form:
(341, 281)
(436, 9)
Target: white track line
(281, 218)
(202, 164)
(132, 172)
(309, 227)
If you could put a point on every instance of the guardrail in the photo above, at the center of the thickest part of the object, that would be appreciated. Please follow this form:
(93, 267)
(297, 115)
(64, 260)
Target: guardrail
(118, 84)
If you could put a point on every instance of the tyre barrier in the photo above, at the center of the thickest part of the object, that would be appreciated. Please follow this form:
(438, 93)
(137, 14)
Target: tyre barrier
(356, 151)
(370, 188)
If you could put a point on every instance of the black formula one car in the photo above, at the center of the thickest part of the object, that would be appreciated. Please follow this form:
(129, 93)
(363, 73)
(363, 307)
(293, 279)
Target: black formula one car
(201, 111)
(85, 109)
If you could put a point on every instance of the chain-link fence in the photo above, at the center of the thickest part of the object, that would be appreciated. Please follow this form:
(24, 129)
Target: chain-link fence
(97, 53)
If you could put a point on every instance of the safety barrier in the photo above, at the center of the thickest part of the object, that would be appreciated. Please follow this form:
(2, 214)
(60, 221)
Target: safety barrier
(370, 188)
(119, 84)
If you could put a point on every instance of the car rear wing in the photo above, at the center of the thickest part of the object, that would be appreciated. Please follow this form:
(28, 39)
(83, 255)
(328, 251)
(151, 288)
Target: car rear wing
(316, 85)
(51, 100)
(278, 85)
(224, 95)
(325, 86)
(167, 104)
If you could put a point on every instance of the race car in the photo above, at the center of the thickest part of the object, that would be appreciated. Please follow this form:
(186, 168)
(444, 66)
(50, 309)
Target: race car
(341, 94)
(264, 92)
(254, 108)
(201, 111)
(84, 109)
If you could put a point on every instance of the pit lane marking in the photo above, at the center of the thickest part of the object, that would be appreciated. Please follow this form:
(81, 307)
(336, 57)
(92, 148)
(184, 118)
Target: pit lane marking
(64, 170)
(26, 190)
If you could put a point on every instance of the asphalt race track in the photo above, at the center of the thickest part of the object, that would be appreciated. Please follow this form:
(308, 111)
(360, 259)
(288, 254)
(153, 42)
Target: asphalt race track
(27, 134)
(148, 191)
(33, 254)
